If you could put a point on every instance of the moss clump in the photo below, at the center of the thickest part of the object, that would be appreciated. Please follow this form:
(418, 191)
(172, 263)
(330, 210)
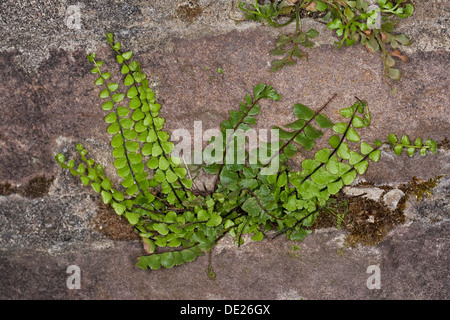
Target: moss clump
(419, 188)
(366, 221)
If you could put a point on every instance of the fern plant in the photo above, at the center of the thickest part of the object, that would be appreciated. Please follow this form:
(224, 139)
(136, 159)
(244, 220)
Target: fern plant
(353, 22)
(178, 223)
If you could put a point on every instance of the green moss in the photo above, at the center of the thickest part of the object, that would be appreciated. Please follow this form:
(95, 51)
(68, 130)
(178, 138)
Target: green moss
(366, 221)
(419, 188)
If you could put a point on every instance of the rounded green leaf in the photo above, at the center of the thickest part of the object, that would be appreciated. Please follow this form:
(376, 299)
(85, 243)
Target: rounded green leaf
(135, 103)
(111, 118)
(392, 138)
(343, 151)
(113, 128)
(118, 207)
(171, 176)
(130, 134)
(108, 105)
(366, 148)
(332, 165)
(129, 80)
(347, 113)
(106, 197)
(132, 146)
(161, 228)
(126, 123)
(132, 190)
(323, 121)
(60, 158)
(340, 127)
(354, 158)
(99, 81)
(117, 141)
(153, 163)
(362, 166)
(96, 187)
(124, 69)
(187, 183)
(113, 86)
(106, 184)
(117, 97)
(120, 162)
(127, 55)
(138, 115)
(303, 112)
(281, 181)
(167, 146)
(147, 149)
(349, 177)
(119, 58)
(322, 155)
(312, 133)
(335, 187)
(104, 94)
(310, 164)
(423, 151)
(352, 135)
(134, 158)
(375, 155)
(320, 5)
(128, 181)
(334, 141)
(84, 180)
(159, 175)
(357, 122)
(398, 150)
(418, 142)
(405, 140)
(163, 163)
(214, 220)
(167, 260)
(394, 74)
(432, 145)
(118, 152)
(156, 150)
(117, 195)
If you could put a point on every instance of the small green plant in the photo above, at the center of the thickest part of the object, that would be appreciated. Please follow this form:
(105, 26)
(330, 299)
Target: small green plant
(338, 209)
(353, 22)
(157, 194)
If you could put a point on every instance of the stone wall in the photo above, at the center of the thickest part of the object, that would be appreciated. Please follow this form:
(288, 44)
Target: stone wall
(49, 221)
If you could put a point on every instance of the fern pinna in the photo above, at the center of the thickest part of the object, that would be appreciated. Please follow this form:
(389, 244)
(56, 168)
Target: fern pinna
(157, 196)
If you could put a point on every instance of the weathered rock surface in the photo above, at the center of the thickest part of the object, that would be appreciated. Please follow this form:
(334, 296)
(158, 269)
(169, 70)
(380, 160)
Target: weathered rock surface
(49, 103)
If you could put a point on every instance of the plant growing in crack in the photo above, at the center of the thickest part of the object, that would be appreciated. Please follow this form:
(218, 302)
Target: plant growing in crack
(261, 196)
(352, 21)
